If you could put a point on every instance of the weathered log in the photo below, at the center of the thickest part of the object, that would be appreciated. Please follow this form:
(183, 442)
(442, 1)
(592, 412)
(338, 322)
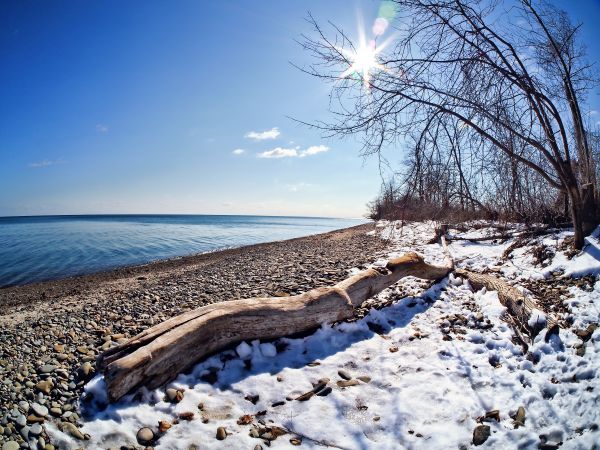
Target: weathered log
(519, 306)
(160, 353)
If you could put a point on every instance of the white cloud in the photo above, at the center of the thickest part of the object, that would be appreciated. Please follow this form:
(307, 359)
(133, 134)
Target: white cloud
(273, 133)
(279, 152)
(313, 150)
(239, 151)
(45, 163)
(101, 128)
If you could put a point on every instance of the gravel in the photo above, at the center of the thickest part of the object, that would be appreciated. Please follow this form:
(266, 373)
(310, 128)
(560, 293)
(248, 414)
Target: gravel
(51, 333)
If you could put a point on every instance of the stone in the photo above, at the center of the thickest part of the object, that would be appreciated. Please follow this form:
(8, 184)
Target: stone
(221, 433)
(519, 418)
(45, 386)
(347, 383)
(11, 445)
(86, 368)
(345, 375)
(492, 415)
(39, 410)
(72, 430)
(324, 392)
(47, 368)
(36, 430)
(481, 433)
(144, 436)
(163, 426)
(21, 420)
(174, 395)
(24, 406)
(364, 379)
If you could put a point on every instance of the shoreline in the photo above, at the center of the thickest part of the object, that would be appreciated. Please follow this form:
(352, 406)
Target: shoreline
(52, 332)
(47, 290)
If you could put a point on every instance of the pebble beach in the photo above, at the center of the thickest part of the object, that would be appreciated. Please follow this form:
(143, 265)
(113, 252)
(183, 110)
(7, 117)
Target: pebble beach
(51, 333)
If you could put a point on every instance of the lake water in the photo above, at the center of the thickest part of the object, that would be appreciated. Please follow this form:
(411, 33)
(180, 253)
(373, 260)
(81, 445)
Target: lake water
(48, 247)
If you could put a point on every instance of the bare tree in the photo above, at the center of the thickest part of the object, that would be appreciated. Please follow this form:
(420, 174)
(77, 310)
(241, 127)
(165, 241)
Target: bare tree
(515, 85)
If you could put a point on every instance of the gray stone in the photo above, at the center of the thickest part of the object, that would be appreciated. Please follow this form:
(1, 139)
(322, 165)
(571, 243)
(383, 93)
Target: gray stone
(24, 406)
(47, 368)
(481, 433)
(39, 410)
(21, 420)
(36, 429)
(345, 375)
(144, 436)
(11, 445)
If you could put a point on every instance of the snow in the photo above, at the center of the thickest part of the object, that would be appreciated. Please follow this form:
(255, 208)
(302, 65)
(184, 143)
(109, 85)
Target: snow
(444, 358)
(243, 350)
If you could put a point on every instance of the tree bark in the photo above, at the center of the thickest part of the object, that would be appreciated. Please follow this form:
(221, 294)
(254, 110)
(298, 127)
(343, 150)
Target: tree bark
(159, 354)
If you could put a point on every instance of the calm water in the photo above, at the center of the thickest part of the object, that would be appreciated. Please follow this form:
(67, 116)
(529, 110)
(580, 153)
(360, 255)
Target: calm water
(46, 247)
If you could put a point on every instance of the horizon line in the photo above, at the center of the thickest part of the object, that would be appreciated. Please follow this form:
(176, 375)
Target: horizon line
(176, 214)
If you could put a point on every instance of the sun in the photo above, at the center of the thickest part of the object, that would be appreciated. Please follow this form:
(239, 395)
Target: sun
(363, 58)
(363, 61)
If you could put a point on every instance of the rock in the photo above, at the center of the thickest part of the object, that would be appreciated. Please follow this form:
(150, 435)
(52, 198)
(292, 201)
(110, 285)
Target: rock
(364, 379)
(492, 415)
(47, 368)
(39, 410)
(305, 396)
(24, 406)
(59, 348)
(258, 447)
(480, 434)
(252, 398)
(45, 386)
(174, 395)
(86, 368)
(519, 418)
(347, 383)
(72, 430)
(11, 445)
(345, 375)
(36, 430)
(323, 392)
(163, 426)
(221, 433)
(296, 441)
(32, 418)
(21, 420)
(144, 436)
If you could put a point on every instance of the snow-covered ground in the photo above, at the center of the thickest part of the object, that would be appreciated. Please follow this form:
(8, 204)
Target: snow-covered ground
(426, 370)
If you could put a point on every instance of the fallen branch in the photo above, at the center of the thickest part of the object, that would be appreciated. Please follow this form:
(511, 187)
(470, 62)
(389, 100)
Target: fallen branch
(160, 353)
(521, 308)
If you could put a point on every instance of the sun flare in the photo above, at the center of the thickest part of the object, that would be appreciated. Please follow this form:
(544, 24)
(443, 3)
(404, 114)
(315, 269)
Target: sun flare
(363, 62)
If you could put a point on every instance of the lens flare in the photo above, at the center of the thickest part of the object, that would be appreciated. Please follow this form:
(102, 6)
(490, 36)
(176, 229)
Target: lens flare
(363, 60)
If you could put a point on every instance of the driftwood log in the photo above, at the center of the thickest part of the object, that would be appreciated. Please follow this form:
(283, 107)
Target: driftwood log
(160, 353)
(519, 306)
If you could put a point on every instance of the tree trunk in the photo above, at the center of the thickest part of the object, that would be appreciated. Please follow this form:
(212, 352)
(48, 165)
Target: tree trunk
(160, 353)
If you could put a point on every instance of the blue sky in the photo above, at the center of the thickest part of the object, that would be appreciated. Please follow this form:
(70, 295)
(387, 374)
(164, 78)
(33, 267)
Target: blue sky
(137, 107)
